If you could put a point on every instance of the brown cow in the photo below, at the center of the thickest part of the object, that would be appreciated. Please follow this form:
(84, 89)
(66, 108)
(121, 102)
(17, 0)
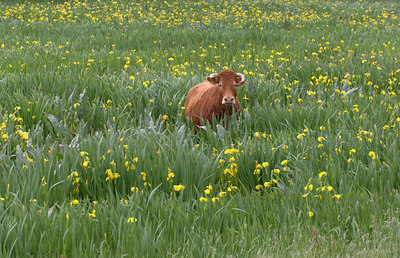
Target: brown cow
(215, 96)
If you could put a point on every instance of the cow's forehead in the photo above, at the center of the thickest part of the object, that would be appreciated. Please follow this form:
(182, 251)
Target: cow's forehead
(227, 75)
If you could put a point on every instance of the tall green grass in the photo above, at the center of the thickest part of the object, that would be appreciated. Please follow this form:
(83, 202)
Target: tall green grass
(97, 158)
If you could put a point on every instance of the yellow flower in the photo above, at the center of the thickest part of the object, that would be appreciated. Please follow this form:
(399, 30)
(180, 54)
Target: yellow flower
(222, 194)
(310, 214)
(284, 162)
(265, 164)
(93, 214)
(323, 173)
(231, 151)
(300, 136)
(131, 220)
(203, 199)
(170, 176)
(372, 154)
(85, 163)
(178, 188)
(330, 188)
(231, 188)
(214, 199)
(23, 135)
(337, 196)
(74, 202)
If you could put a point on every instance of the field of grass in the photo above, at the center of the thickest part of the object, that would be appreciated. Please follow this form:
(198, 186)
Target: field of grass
(97, 159)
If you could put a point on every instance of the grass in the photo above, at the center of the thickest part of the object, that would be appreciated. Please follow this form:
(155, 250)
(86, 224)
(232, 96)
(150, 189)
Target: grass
(96, 157)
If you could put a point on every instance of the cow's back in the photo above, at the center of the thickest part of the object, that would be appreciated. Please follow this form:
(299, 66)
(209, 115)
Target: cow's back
(195, 99)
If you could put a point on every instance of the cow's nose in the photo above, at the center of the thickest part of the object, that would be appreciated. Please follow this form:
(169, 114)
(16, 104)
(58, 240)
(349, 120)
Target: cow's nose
(228, 101)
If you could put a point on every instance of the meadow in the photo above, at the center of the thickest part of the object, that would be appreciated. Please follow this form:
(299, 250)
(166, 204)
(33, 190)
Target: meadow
(97, 159)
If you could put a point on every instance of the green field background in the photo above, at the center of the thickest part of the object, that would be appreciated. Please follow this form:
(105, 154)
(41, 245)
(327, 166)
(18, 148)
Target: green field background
(97, 159)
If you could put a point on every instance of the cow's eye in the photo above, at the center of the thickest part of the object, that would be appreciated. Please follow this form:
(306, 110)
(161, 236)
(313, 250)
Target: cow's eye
(220, 85)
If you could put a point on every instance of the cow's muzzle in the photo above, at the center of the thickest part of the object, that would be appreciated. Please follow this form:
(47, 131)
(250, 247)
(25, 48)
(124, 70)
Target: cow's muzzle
(228, 101)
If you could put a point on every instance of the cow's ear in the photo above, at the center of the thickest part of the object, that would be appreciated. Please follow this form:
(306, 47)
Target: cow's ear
(213, 78)
(239, 79)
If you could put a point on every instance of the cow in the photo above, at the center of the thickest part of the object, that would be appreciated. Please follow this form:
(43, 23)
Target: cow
(214, 97)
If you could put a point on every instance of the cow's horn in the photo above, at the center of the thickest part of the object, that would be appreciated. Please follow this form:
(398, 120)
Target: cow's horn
(241, 79)
(213, 75)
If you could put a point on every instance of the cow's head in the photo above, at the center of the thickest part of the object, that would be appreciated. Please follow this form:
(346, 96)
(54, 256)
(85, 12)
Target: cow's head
(227, 82)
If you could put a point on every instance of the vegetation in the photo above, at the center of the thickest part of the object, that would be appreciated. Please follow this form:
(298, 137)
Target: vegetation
(97, 159)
